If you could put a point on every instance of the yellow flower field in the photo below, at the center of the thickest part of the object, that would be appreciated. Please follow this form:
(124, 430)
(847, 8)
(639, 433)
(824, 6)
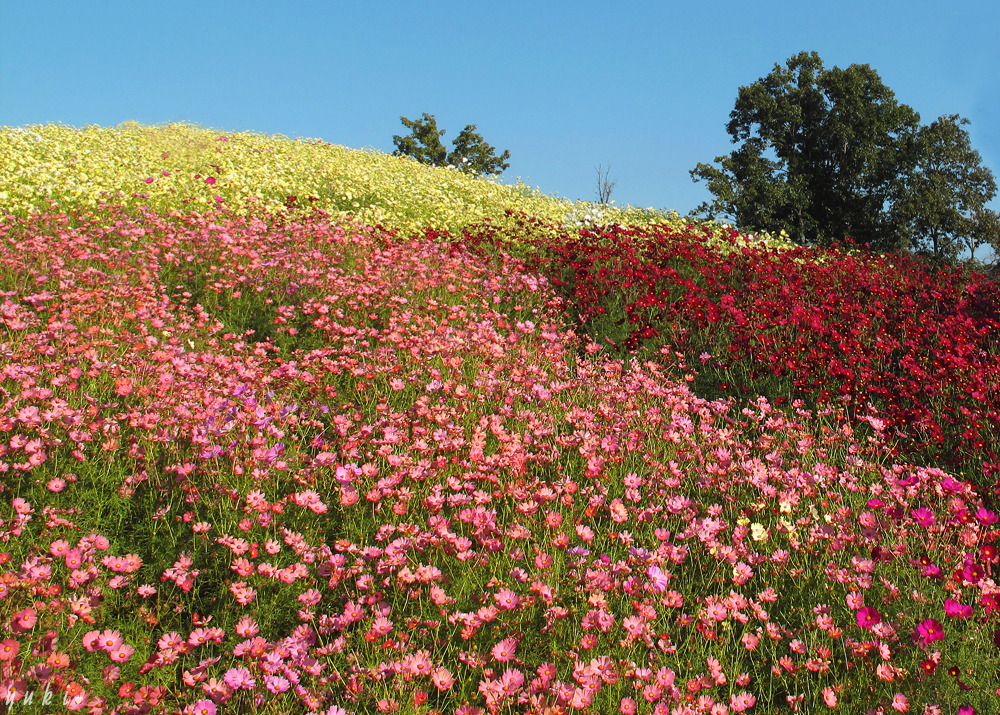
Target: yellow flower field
(182, 166)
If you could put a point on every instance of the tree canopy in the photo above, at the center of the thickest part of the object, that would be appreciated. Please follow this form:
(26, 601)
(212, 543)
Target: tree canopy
(828, 154)
(943, 209)
(470, 152)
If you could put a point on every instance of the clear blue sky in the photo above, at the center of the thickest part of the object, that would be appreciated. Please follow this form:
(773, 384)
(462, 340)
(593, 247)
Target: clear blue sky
(646, 87)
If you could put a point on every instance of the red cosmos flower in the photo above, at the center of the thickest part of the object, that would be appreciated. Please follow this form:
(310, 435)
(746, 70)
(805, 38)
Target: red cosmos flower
(928, 666)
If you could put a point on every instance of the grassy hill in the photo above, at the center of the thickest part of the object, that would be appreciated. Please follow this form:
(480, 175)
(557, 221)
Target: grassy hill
(418, 442)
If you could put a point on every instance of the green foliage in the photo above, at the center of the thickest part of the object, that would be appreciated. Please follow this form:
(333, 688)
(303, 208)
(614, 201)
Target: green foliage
(944, 207)
(471, 153)
(827, 154)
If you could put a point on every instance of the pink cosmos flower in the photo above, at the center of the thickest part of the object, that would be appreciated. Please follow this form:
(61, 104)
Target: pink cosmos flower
(665, 677)
(216, 689)
(201, 707)
(9, 649)
(24, 620)
(742, 701)
(92, 641)
(122, 653)
(247, 627)
(56, 484)
(237, 678)
(242, 593)
(950, 485)
(658, 579)
(506, 599)
(276, 684)
(108, 640)
(418, 663)
(511, 681)
(742, 573)
(442, 678)
(900, 703)
(172, 640)
(505, 650)
(829, 697)
(627, 706)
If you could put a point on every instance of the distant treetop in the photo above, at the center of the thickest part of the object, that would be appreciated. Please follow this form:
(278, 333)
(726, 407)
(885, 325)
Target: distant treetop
(470, 151)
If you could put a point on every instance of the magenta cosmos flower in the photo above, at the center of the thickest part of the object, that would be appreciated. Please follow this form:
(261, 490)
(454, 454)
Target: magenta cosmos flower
(868, 617)
(954, 609)
(930, 631)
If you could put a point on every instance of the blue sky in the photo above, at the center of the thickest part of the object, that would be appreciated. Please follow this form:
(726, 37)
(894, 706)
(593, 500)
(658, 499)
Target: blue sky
(646, 88)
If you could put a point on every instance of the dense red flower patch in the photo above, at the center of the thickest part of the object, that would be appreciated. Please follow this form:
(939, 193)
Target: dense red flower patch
(842, 325)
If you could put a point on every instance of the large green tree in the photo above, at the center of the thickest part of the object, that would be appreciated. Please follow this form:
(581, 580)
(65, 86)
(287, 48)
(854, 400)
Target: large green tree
(827, 154)
(470, 152)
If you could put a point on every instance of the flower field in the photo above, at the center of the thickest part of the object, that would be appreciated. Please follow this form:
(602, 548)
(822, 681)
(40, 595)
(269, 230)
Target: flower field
(181, 166)
(261, 458)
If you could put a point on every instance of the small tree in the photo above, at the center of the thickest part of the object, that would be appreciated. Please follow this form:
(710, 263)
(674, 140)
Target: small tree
(944, 205)
(604, 186)
(470, 151)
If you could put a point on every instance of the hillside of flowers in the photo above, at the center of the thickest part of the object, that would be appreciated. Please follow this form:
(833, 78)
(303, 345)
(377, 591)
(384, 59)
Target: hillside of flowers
(916, 341)
(283, 461)
(182, 166)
